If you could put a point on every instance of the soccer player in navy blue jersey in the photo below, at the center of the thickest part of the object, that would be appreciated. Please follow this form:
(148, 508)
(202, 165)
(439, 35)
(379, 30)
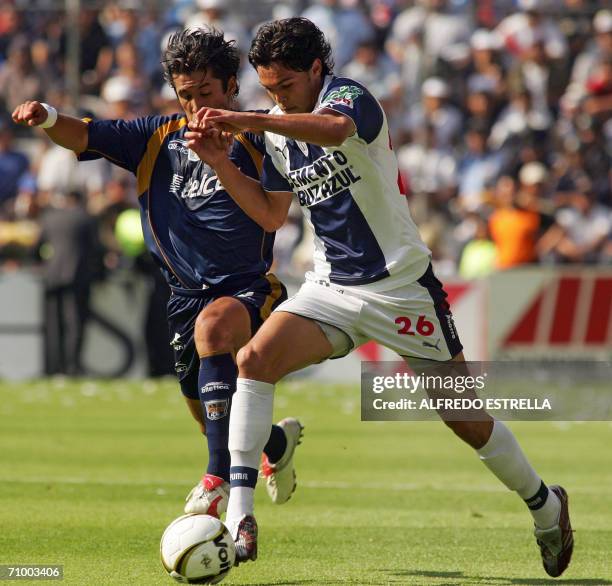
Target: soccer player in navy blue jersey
(214, 257)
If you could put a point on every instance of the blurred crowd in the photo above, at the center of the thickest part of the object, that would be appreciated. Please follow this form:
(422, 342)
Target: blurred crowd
(499, 113)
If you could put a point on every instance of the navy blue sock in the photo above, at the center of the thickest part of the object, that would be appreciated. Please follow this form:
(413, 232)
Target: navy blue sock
(275, 448)
(216, 385)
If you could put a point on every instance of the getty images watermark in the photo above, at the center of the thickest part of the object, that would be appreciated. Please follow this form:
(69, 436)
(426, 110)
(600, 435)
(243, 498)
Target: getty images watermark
(422, 390)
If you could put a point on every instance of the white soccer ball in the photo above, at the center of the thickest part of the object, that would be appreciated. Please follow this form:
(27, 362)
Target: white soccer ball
(197, 549)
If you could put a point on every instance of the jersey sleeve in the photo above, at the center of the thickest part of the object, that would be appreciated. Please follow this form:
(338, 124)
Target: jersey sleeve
(122, 142)
(271, 178)
(356, 102)
(247, 155)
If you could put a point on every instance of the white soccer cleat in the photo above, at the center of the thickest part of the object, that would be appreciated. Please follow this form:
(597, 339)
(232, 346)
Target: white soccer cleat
(280, 476)
(208, 497)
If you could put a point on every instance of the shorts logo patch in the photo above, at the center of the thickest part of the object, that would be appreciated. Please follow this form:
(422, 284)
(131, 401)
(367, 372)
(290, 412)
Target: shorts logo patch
(176, 342)
(216, 409)
(427, 344)
(180, 367)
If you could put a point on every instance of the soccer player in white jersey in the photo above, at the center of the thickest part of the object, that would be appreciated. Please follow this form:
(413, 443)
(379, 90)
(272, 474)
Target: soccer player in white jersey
(327, 142)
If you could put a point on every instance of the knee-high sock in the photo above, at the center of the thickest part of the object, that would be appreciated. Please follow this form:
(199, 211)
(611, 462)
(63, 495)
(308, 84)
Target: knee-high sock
(249, 430)
(216, 385)
(504, 457)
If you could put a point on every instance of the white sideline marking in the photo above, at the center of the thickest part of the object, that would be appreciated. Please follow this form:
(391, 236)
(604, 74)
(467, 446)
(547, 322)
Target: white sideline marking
(311, 484)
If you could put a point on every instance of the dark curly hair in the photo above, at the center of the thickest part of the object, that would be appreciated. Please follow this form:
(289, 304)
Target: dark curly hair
(293, 42)
(199, 49)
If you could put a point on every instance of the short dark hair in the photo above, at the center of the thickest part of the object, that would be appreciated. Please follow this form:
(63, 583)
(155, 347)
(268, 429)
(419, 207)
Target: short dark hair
(293, 42)
(199, 49)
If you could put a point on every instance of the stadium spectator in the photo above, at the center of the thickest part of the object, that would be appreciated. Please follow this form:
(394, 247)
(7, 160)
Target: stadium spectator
(19, 66)
(215, 13)
(68, 242)
(478, 257)
(344, 23)
(478, 168)
(14, 166)
(437, 111)
(516, 120)
(480, 102)
(96, 54)
(485, 59)
(580, 231)
(60, 172)
(518, 30)
(435, 26)
(426, 168)
(542, 77)
(377, 71)
(595, 54)
(518, 222)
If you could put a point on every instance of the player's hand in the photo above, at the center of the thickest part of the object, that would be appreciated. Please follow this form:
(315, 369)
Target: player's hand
(211, 145)
(225, 120)
(30, 113)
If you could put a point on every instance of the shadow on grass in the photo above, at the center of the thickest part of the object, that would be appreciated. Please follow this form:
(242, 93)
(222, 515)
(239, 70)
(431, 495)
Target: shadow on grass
(292, 583)
(499, 580)
(447, 579)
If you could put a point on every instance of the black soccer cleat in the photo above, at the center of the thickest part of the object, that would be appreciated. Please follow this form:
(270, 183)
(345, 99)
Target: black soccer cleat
(557, 543)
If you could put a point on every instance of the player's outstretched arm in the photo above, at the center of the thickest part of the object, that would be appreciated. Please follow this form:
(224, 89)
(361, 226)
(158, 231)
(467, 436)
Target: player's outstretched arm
(327, 128)
(268, 209)
(69, 132)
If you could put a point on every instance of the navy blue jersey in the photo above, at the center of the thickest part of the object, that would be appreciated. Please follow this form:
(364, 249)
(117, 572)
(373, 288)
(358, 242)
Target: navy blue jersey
(192, 227)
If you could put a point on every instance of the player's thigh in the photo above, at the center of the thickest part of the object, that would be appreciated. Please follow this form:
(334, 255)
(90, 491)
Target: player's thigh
(222, 326)
(285, 342)
(413, 321)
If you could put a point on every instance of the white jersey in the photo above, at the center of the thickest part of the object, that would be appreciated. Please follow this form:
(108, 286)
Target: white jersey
(350, 195)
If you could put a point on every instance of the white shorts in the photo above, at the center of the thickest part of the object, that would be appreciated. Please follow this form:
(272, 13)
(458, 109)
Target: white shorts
(413, 320)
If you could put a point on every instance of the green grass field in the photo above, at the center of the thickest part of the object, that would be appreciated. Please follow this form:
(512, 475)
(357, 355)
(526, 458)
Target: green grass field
(92, 472)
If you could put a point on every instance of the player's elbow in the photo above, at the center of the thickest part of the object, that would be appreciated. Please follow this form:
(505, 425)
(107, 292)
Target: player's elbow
(272, 222)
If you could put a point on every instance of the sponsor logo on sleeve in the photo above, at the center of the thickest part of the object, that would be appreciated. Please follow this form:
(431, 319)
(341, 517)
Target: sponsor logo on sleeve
(342, 96)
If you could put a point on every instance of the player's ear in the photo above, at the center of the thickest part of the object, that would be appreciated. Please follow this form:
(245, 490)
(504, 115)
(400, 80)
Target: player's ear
(316, 69)
(232, 87)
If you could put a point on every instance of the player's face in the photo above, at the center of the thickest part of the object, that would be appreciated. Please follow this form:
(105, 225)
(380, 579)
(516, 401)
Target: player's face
(293, 91)
(201, 89)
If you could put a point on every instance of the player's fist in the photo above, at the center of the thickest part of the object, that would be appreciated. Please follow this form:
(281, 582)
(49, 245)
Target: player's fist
(30, 113)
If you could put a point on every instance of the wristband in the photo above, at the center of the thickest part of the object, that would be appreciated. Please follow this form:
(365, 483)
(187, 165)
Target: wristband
(51, 116)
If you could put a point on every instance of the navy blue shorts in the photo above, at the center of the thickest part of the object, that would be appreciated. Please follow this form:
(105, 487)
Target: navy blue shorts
(259, 297)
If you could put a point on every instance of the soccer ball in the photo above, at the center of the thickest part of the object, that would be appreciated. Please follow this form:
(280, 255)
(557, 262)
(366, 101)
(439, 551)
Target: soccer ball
(197, 549)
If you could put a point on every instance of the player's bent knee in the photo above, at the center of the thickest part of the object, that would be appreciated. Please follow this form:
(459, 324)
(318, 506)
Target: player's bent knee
(255, 363)
(213, 334)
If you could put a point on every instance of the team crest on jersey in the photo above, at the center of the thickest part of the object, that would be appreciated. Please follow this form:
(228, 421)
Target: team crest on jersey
(178, 145)
(344, 96)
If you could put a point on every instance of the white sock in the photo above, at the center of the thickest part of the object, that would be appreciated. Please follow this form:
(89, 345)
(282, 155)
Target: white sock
(249, 430)
(504, 457)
